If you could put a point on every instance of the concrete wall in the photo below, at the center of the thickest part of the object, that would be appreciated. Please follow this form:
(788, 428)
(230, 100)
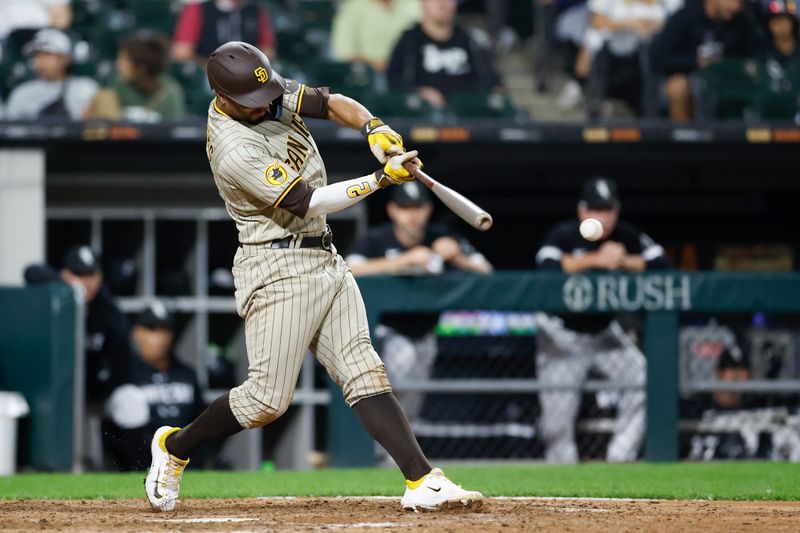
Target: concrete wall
(22, 212)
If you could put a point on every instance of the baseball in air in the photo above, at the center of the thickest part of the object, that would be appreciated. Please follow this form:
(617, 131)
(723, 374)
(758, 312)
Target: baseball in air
(591, 229)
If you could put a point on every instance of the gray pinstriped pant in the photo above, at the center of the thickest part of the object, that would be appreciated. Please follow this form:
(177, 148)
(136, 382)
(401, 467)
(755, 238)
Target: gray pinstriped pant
(564, 358)
(293, 300)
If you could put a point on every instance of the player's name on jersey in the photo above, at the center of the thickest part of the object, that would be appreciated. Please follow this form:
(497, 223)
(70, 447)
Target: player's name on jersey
(650, 292)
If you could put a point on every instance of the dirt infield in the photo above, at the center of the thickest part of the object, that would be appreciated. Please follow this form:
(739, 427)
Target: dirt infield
(358, 514)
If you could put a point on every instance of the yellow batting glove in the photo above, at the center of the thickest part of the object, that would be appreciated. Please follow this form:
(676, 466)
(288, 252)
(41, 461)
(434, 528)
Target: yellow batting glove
(383, 141)
(394, 173)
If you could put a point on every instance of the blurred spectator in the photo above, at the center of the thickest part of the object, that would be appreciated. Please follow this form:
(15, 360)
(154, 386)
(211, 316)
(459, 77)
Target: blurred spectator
(142, 91)
(437, 57)
(107, 344)
(570, 346)
(782, 27)
(202, 27)
(698, 35)
(410, 246)
(160, 391)
(367, 30)
(617, 31)
(571, 24)
(32, 14)
(54, 93)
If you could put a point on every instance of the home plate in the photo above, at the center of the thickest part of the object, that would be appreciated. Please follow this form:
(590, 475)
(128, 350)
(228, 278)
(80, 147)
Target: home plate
(205, 520)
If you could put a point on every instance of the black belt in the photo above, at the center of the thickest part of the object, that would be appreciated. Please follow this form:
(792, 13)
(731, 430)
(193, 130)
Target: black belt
(310, 241)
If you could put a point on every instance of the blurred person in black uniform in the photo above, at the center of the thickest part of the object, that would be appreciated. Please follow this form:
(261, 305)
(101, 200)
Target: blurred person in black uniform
(732, 367)
(409, 245)
(738, 425)
(699, 34)
(570, 346)
(107, 329)
(438, 57)
(159, 391)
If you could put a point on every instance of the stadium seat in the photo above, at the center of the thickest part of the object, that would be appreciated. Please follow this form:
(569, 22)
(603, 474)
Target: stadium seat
(293, 45)
(193, 79)
(778, 93)
(316, 14)
(14, 73)
(156, 15)
(480, 105)
(100, 24)
(396, 104)
(725, 88)
(14, 43)
(354, 78)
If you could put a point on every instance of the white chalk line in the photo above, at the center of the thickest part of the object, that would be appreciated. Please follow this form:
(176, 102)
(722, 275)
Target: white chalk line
(366, 525)
(204, 520)
(502, 498)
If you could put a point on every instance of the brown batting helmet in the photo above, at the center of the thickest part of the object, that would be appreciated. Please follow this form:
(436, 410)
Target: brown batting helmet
(243, 73)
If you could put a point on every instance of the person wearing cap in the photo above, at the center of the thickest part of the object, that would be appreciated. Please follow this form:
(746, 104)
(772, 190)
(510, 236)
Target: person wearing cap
(54, 93)
(107, 329)
(293, 289)
(203, 26)
(409, 245)
(159, 390)
(570, 346)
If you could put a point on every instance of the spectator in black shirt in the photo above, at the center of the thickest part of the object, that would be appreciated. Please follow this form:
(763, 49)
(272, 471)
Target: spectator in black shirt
(160, 391)
(203, 26)
(782, 27)
(107, 330)
(569, 347)
(409, 245)
(696, 36)
(437, 57)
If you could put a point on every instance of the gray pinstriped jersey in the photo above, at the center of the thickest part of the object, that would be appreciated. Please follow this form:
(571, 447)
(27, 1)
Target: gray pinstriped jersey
(255, 166)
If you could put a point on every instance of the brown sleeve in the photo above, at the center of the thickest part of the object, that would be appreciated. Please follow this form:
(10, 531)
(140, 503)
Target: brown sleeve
(314, 102)
(297, 199)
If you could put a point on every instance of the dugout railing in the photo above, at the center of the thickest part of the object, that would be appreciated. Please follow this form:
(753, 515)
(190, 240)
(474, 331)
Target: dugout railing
(660, 298)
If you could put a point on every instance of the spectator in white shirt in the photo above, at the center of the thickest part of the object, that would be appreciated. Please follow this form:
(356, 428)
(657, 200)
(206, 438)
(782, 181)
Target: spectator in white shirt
(621, 28)
(54, 93)
(32, 14)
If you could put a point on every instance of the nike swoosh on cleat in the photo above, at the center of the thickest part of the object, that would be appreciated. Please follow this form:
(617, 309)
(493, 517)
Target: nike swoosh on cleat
(155, 489)
(435, 490)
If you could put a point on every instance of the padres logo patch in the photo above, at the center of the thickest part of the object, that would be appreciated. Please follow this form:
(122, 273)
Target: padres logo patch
(276, 175)
(261, 74)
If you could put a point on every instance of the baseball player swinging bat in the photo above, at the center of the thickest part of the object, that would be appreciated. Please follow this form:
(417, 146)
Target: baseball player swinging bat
(457, 202)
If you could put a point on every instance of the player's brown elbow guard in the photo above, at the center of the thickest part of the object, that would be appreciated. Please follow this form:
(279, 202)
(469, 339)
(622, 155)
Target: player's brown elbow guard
(315, 102)
(298, 199)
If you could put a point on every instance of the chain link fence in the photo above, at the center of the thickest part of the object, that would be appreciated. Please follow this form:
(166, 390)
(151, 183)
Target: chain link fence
(740, 392)
(483, 385)
(515, 385)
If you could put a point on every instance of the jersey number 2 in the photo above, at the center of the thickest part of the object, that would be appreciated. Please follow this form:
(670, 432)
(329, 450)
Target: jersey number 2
(361, 189)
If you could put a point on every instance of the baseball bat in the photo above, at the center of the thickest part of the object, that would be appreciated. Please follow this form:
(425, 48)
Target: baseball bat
(458, 203)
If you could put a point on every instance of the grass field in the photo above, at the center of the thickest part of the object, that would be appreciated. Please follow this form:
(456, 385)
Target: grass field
(718, 481)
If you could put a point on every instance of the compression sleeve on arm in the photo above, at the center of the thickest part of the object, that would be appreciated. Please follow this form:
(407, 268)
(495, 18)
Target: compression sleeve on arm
(342, 195)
